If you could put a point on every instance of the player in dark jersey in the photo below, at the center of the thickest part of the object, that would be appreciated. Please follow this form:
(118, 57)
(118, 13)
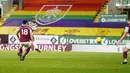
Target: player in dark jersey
(25, 36)
(127, 47)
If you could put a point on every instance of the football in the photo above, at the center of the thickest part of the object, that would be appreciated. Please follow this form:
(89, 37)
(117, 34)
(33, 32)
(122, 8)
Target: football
(98, 39)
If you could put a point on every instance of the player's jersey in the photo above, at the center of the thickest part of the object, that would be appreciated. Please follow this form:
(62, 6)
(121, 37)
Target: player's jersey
(25, 33)
(32, 25)
(127, 28)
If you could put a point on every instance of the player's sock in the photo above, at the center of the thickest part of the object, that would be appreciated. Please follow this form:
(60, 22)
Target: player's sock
(124, 56)
(35, 45)
(23, 57)
(20, 52)
(38, 50)
(27, 51)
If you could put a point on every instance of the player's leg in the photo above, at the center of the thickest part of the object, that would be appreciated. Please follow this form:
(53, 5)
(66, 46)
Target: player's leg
(27, 51)
(28, 46)
(35, 45)
(125, 51)
(20, 50)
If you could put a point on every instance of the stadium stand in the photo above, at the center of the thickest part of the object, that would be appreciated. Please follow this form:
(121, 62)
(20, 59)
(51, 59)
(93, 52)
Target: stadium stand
(80, 15)
(124, 2)
(85, 5)
(90, 6)
(82, 12)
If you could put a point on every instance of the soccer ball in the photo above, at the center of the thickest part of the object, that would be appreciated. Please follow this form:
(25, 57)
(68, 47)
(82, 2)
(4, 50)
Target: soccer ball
(98, 39)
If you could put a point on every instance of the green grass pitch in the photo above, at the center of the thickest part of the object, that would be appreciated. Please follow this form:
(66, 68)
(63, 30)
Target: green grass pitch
(63, 62)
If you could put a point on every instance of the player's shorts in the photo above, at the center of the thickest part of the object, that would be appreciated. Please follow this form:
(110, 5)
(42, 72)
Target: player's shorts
(128, 45)
(33, 28)
(25, 44)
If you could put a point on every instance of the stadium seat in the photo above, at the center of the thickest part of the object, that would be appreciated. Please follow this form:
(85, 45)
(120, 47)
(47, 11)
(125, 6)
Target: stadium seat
(80, 15)
(84, 9)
